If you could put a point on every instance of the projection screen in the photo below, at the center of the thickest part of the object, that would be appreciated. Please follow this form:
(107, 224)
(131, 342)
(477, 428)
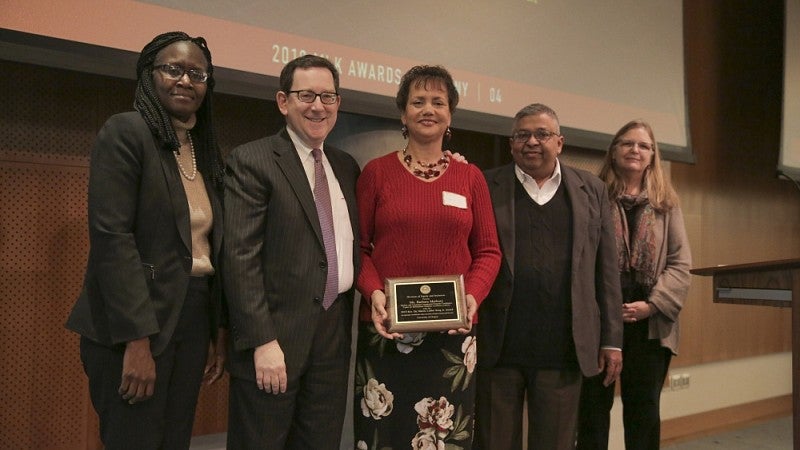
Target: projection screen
(598, 64)
(789, 162)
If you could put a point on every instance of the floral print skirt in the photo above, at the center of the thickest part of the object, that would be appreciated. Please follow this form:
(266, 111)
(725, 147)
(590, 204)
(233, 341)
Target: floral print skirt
(418, 392)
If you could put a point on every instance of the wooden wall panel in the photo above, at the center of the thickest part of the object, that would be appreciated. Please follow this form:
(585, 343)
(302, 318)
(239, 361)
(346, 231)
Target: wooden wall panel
(42, 249)
(48, 122)
(736, 210)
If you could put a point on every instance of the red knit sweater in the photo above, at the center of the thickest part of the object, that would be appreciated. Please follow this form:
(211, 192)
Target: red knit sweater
(408, 230)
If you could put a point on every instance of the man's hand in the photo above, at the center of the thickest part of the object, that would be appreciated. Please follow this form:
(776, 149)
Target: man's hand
(457, 157)
(217, 354)
(611, 363)
(138, 372)
(270, 367)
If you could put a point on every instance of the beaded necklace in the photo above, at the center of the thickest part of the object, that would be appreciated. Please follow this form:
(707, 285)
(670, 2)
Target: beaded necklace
(425, 170)
(194, 161)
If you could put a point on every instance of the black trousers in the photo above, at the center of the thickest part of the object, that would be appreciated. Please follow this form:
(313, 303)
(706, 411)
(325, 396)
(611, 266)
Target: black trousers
(552, 396)
(165, 420)
(644, 367)
(310, 414)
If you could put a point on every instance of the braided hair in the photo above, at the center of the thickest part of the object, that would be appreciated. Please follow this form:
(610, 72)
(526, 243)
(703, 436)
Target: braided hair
(209, 159)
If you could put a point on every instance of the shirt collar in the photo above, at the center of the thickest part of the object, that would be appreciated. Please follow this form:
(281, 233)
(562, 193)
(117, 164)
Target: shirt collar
(303, 150)
(525, 178)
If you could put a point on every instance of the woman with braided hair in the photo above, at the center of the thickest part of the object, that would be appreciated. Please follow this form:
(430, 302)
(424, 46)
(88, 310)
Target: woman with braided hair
(150, 311)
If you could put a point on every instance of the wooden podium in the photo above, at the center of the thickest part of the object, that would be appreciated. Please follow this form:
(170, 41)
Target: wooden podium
(770, 283)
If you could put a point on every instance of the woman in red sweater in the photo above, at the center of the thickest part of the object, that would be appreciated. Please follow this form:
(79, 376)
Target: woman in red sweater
(420, 216)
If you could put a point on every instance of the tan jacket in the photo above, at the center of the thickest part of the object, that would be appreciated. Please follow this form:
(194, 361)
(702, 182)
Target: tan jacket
(669, 292)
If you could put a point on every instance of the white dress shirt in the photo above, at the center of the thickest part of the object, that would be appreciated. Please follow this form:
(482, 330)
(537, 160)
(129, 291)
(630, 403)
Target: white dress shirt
(341, 216)
(544, 194)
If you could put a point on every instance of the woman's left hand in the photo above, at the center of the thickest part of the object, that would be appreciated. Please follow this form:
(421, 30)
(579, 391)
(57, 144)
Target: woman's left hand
(472, 309)
(639, 310)
(217, 354)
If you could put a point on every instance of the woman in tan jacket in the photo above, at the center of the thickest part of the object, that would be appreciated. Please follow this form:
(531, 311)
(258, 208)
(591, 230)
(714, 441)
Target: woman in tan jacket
(654, 260)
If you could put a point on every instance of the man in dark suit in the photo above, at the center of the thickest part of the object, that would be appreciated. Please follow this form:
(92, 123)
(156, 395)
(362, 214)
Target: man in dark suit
(554, 311)
(290, 332)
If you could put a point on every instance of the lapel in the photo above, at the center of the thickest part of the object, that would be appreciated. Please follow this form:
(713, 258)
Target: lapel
(502, 193)
(217, 212)
(289, 163)
(579, 202)
(177, 195)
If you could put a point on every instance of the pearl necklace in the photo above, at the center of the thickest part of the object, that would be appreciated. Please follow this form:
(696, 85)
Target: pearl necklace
(425, 170)
(194, 161)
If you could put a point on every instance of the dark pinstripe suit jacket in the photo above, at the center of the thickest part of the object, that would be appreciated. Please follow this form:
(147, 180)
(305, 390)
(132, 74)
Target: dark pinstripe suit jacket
(275, 271)
(596, 296)
(140, 258)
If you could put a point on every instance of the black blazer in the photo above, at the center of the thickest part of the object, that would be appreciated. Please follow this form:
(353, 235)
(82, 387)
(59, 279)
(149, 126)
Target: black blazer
(596, 296)
(275, 265)
(140, 256)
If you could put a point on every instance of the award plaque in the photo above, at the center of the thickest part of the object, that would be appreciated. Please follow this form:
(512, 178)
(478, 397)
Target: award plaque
(434, 303)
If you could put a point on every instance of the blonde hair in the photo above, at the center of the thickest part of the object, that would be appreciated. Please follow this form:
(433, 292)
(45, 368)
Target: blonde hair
(660, 193)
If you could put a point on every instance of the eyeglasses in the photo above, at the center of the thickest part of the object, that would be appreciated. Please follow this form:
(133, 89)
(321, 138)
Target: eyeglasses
(327, 98)
(628, 145)
(541, 135)
(174, 72)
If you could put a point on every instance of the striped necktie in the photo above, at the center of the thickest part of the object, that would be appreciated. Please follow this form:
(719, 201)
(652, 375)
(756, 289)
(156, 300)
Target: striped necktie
(322, 198)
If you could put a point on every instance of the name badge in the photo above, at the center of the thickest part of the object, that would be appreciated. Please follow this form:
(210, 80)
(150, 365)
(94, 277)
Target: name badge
(453, 199)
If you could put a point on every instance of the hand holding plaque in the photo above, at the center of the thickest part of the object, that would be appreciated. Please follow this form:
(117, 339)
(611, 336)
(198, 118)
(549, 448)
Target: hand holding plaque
(427, 303)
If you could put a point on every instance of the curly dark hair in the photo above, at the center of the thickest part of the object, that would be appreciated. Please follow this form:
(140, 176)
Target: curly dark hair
(209, 158)
(420, 76)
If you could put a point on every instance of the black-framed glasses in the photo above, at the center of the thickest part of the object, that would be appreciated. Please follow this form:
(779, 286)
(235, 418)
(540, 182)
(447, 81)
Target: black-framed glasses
(628, 145)
(306, 96)
(175, 72)
(541, 135)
